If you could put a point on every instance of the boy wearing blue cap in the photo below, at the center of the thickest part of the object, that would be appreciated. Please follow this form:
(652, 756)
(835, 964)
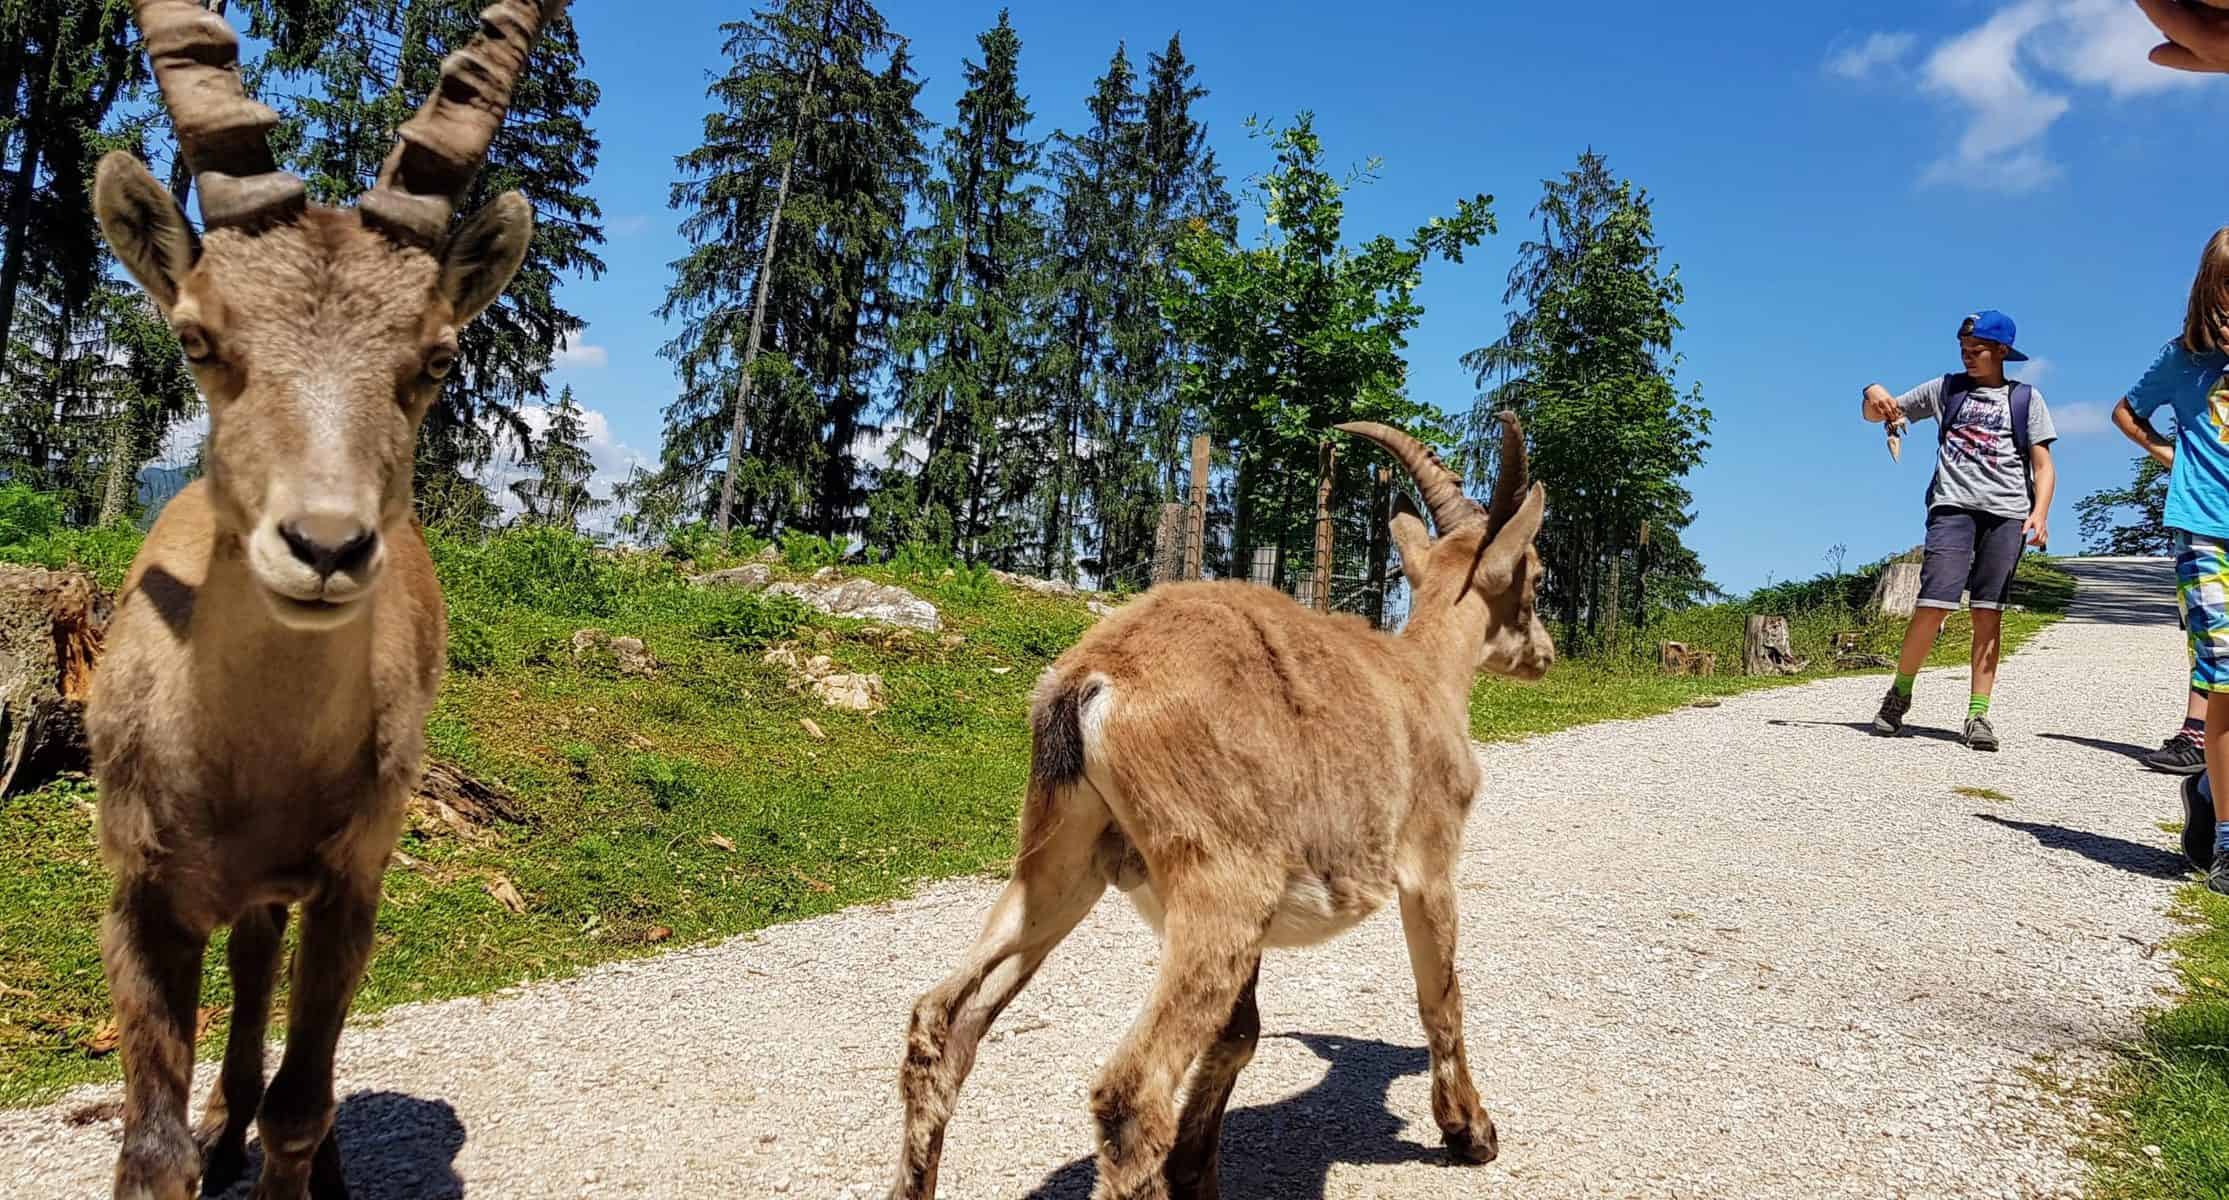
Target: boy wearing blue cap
(1991, 493)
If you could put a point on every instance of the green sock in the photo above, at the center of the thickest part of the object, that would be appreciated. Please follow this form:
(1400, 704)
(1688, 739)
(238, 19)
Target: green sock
(1977, 706)
(1904, 685)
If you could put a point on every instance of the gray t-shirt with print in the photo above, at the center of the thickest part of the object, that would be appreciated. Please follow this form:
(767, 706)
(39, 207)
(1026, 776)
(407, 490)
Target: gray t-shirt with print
(1979, 467)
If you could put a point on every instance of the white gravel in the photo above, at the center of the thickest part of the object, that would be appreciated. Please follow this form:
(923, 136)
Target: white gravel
(1743, 951)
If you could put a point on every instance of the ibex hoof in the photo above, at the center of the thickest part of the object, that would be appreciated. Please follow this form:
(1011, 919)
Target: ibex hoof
(1476, 1144)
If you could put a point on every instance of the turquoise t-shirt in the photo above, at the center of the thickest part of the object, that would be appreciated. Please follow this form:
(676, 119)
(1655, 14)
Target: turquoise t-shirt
(2196, 386)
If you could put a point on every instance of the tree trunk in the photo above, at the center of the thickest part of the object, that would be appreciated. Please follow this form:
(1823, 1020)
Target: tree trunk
(1379, 546)
(1195, 515)
(19, 221)
(1765, 649)
(1897, 592)
(50, 635)
(123, 468)
(758, 300)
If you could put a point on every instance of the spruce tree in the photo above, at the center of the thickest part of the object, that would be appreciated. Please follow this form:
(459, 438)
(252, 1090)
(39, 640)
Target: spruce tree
(556, 491)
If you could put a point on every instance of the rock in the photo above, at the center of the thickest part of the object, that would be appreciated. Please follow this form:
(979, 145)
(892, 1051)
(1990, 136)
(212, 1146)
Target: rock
(750, 577)
(593, 648)
(50, 634)
(863, 600)
(1043, 587)
(769, 554)
(858, 693)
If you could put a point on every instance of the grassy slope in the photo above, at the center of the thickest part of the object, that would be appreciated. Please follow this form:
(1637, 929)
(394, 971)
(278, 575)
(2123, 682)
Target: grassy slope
(684, 809)
(2166, 1136)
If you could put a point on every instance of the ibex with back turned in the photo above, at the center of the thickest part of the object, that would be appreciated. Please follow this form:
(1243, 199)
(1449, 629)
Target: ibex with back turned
(258, 717)
(1253, 775)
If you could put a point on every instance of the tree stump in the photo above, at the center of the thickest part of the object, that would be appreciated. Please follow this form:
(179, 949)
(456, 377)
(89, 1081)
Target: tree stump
(1896, 594)
(1765, 649)
(1678, 658)
(448, 800)
(50, 634)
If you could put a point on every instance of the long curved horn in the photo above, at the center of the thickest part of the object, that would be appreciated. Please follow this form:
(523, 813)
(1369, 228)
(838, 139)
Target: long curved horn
(438, 151)
(1509, 490)
(1443, 492)
(224, 134)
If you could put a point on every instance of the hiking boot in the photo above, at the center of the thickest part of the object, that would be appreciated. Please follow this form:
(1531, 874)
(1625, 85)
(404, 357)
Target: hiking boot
(2198, 823)
(1890, 720)
(1980, 734)
(2183, 754)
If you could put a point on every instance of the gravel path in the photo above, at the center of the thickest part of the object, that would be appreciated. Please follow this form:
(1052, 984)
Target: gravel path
(1742, 951)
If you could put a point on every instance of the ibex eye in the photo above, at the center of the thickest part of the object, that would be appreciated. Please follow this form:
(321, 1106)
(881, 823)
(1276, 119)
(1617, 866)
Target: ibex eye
(194, 340)
(439, 362)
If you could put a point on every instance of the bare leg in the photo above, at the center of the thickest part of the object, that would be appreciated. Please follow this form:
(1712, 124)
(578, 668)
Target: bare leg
(153, 964)
(253, 956)
(1919, 638)
(1055, 883)
(2217, 751)
(297, 1115)
(1194, 1163)
(1208, 954)
(1988, 631)
(1428, 922)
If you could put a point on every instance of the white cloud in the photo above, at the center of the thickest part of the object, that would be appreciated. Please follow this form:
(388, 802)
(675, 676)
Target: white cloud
(614, 460)
(629, 226)
(1878, 53)
(581, 357)
(2078, 420)
(2012, 77)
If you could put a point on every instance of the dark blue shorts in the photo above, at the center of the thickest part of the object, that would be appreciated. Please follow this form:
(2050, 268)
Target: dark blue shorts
(1968, 553)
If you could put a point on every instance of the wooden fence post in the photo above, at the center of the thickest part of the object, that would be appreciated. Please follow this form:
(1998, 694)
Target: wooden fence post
(1169, 544)
(1195, 519)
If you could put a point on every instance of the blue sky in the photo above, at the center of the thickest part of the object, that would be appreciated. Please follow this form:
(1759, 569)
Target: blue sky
(1838, 191)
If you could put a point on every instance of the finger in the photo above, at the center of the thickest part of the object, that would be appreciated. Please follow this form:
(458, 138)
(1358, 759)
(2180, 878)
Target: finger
(2180, 58)
(2177, 21)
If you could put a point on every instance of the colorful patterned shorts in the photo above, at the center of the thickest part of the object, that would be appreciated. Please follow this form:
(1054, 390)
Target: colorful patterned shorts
(2202, 589)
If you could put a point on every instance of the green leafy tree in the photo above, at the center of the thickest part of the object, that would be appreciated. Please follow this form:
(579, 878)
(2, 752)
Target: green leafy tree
(1301, 332)
(556, 491)
(794, 207)
(970, 382)
(1587, 362)
(2103, 514)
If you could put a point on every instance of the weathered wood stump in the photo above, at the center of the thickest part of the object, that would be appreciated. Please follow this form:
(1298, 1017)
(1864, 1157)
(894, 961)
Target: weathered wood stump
(448, 800)
(50, 634)
(1765, 649)
(1896, 593)
(1678, 658)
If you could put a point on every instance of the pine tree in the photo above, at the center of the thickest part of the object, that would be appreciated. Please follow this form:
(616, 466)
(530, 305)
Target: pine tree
(1587, 362)
(556, 493)
(974, 327)
(794, 207)
(354, 71)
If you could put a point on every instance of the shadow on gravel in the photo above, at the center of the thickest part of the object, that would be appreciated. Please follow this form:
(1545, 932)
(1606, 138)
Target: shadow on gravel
(1866, 728)
(2120, 853)
(2124, 749)
(393, 1147)
(1285, 1151)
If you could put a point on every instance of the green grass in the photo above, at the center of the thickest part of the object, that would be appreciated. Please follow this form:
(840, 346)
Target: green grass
(2165, 1131)
(1992, 795)
(672, 811)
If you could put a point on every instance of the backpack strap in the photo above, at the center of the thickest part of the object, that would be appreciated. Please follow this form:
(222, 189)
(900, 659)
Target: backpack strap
(1955, 389)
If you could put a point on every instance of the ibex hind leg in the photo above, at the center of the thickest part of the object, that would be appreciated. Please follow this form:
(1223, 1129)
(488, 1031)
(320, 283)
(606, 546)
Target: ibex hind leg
(1195, 1164)
(252, 954)
(1055, 883)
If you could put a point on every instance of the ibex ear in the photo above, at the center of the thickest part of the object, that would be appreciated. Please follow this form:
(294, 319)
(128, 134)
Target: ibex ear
(1514, 538)
(1410, 537)
(143, 225)
(483, 254)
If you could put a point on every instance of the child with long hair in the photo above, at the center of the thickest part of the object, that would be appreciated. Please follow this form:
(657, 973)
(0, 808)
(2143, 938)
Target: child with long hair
(2191, 376)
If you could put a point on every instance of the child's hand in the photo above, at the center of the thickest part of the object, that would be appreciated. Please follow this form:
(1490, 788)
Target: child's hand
(2197, 33)
(1879, 405)
(2036, 529)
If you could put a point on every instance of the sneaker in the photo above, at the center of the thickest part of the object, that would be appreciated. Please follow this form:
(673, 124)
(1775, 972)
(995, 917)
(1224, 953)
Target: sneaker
(1890, 720)
(2198, 823)
(1980, 734)
(2217, 880)
(2181, 755)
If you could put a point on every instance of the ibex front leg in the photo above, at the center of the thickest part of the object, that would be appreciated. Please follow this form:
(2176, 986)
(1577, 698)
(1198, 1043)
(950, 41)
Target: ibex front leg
(1428, 922)
(153, 964)
(300, 1158)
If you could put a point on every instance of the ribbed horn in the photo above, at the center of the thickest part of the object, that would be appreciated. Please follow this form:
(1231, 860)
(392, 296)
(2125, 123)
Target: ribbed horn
(438, 151)
(1443, 491)
(224, 134)
(1509, 490)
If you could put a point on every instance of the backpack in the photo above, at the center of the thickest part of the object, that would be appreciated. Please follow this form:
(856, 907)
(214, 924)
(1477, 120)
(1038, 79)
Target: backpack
(1955, 389)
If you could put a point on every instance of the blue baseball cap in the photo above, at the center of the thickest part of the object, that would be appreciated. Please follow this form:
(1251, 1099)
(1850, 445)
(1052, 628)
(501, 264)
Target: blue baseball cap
(1992, 326)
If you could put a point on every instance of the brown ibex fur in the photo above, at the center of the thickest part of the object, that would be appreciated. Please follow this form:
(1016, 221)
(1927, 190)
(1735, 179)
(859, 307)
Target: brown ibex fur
(258, 718)
(1252, 775)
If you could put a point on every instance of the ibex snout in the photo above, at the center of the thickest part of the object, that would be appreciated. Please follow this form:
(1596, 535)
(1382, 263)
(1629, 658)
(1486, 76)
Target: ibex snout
(317, 561)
